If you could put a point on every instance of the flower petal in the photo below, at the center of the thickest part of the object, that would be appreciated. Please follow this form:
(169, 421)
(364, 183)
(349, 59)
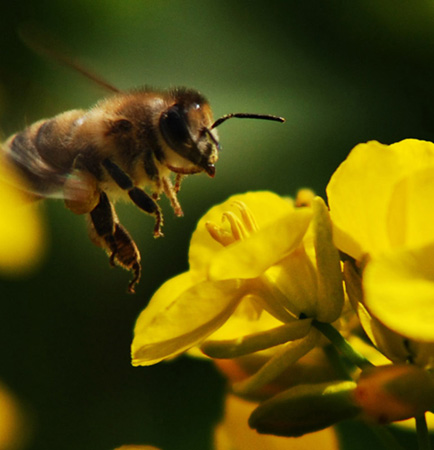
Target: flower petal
(292, 286)
(330, 288)
(265, 207)
(392, 345)
(248, 318)
(180, 315)
(360, 190)
(285, 356)
(399, 291)
(258, 341)
(270, 244)
(411, 210)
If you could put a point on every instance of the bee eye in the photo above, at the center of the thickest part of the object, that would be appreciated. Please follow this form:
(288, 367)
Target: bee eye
(174, 127)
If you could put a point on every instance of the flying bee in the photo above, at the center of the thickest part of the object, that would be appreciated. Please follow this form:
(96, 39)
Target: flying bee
(137, 144)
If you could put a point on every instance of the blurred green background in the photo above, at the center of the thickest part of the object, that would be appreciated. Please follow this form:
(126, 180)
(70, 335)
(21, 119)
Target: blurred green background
(340, 72)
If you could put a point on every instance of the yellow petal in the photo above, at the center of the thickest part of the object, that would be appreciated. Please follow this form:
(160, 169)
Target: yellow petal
(292, 286)
(180, 315)
(253, 256)
(285, 356)
(360, 191)
(411, 210)
(392, 345)
(248, 318)
(330, 288)
(21, 229)
(265, 207)
(256, 342)
(399, 291)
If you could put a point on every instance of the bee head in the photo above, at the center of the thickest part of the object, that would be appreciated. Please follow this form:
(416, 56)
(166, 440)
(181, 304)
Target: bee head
(185, 128)
(188, 129)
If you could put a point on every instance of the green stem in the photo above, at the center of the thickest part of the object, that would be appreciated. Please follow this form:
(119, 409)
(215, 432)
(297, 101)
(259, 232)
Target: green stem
(423, 439)
(342, 344)
(337, 362)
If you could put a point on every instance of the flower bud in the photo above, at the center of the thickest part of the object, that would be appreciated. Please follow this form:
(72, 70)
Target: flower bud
(395, 392)
(305, 408)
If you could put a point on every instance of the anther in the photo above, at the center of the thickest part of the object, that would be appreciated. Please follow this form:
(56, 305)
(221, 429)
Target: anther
(220, 235)
(247, 216)
(237, 227)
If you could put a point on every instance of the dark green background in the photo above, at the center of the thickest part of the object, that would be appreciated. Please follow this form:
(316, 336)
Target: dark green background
(340, 72)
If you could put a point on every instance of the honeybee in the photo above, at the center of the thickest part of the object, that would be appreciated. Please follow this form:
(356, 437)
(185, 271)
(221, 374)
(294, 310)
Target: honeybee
(137, 145)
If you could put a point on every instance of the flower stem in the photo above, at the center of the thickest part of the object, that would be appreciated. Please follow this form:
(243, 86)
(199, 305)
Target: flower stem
(423, 439)
(342, 344)
(337, 362)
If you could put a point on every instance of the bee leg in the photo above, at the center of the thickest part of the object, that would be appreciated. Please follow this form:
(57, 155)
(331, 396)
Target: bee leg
(138, 196)
(106, 232)
(170, 192)
(149, 205)
(178, 180)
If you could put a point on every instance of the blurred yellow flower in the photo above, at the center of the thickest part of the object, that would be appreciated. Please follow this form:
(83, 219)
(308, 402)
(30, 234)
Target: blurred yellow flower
(136, 447)
(233, 433)
(14, 433)
(259, 261)
(382, 207)
(21, 229)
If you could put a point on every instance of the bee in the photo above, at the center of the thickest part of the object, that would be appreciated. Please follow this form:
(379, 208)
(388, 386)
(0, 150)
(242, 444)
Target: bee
(135, 145)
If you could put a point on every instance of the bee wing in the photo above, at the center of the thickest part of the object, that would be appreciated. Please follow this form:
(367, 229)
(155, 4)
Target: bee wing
(43, 43)
(40, 180)
(30, 173)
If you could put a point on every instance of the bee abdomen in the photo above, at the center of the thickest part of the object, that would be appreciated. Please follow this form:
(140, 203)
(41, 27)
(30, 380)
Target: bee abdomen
(41, 176)
(46, 152)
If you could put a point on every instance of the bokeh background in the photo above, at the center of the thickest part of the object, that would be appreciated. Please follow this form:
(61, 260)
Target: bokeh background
(340, 72)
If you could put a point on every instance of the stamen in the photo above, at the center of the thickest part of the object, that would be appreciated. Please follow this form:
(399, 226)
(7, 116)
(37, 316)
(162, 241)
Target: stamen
(247, 216)
(237, 227)
(220, 235)
(240, 228)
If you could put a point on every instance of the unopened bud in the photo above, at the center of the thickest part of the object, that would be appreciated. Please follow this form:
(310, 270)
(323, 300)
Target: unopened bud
(304, 197)
(305, 408)
(395, 392)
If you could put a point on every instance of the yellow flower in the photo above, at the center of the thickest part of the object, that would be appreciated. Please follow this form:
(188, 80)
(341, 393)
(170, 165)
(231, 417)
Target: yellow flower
(259, 261)
(379, 198)
(382, 207)
(136, 447)
(14, 429)
(21, 230)
(233, 433)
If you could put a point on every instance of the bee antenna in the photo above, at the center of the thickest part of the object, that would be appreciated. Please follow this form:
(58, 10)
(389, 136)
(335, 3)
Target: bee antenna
(212, 137)
(246, 116)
